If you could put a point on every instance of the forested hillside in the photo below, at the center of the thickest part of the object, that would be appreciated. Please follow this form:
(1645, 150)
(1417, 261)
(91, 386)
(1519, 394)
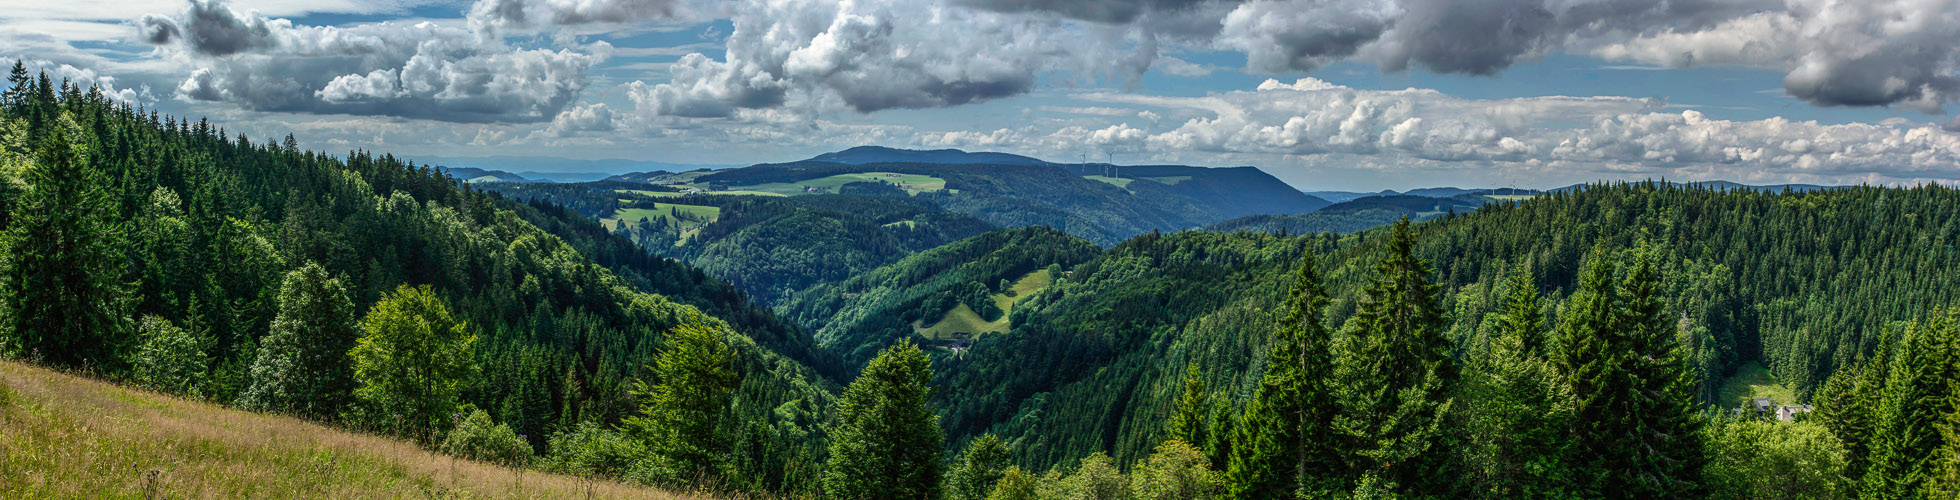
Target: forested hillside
(861, 316)
(169, 253)
(1358, 214)
(1112, 340)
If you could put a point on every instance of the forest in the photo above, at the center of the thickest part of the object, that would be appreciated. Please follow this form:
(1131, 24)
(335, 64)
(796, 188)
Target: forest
(1565, 346)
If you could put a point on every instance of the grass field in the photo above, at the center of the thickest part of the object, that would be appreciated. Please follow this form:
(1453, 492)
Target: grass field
(63, 436)
(911, 183)
(1510, 197)
(963, 319)
(1116, 181)
(1170, 180)
(1753, 381)
(666, 194)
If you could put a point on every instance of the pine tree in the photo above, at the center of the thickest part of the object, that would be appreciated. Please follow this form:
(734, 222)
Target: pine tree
(885, 441)
(302, 366)
(977, 471)
(1520, 409)
(681, 419)
(1284, 445)
(1906, 435)
(1396, 374)
(64, 300)
(410, 362)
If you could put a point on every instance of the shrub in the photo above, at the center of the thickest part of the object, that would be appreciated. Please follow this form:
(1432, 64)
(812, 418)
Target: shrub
(477, 438)
(171, 359)
(591, 450)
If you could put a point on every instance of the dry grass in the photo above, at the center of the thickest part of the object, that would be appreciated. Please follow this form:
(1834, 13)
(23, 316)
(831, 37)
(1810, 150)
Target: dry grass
(63, 436)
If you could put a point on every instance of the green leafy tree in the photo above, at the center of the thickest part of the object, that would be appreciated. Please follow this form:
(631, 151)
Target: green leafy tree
(171, 359)
(1752, 458)
(1176, 471)
(681, 419)
(1906, 436)
(1396, 373)
(1096, 478)
(1014, 484)
(1285, 443)
(410, 362)
(978, 470)
(64, 299)
(302, 364)
(885, 441)
(1519, 410)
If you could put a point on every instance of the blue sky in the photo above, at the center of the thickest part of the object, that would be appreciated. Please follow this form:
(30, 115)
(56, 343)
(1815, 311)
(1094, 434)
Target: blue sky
(1325, 94)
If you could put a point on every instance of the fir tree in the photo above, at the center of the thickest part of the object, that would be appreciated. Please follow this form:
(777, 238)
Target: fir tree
(885, 441)
(1906, 435)
(1396, 374)
(1663, 454)
(302, 365)
(1285, 443)
(64, 300)
(1585, 363)
(681, 419)
(1193, 409)
(1520, 410)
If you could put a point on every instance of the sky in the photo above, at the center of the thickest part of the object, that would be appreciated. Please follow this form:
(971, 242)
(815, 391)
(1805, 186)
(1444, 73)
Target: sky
(1325, 94)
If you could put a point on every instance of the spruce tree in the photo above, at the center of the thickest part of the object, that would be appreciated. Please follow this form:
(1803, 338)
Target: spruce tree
(885, 441)
(1396, 374)
(1906, 435)
(977, 471)
(64, 298)
(1285, 442)
(1663, 454)
(1585, 362)
(1193, 409)
(1520, 410)
(302, 366)
(681, 417)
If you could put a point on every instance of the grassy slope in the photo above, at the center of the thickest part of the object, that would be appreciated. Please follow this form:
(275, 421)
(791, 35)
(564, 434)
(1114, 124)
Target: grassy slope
(63, 436)
(1752, 380)
(963, 319)
(911, 183)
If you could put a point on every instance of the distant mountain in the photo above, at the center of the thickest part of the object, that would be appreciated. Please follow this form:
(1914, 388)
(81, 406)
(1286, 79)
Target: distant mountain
(877, 154)
(538, 168)
(1357, 214)
(1730, 186)
(1437, 192)
(475, 175)
(1232, 192)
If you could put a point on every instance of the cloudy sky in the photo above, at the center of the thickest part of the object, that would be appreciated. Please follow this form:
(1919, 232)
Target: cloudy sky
(1326, 94)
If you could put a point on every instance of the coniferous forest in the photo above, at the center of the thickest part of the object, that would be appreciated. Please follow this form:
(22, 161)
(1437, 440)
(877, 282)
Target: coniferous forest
(1575, 344)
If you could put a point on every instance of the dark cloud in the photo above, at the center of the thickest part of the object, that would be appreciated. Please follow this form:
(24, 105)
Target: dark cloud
(156, 30)
(492, 17)
(1102, 11)
(212, 29)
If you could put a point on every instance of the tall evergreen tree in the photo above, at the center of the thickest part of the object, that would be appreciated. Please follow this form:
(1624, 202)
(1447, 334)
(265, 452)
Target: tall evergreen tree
(1193, 409)
(410, 362)
(1519, 407)
(302, 366)
(1286, 442)
(977, 471)
(1396, 374)
(1663, 454)
(681, 418)
(64, 299)
(1585, 363)
(1848, 404)
(1906, 435)
(885, 441)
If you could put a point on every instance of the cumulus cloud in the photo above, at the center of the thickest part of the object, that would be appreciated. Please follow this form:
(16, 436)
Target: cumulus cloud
(86, 78)
(491, 18)
(1836, 52)
(873, 55)
(423, 70)
(1310, 118)
(592, 118)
